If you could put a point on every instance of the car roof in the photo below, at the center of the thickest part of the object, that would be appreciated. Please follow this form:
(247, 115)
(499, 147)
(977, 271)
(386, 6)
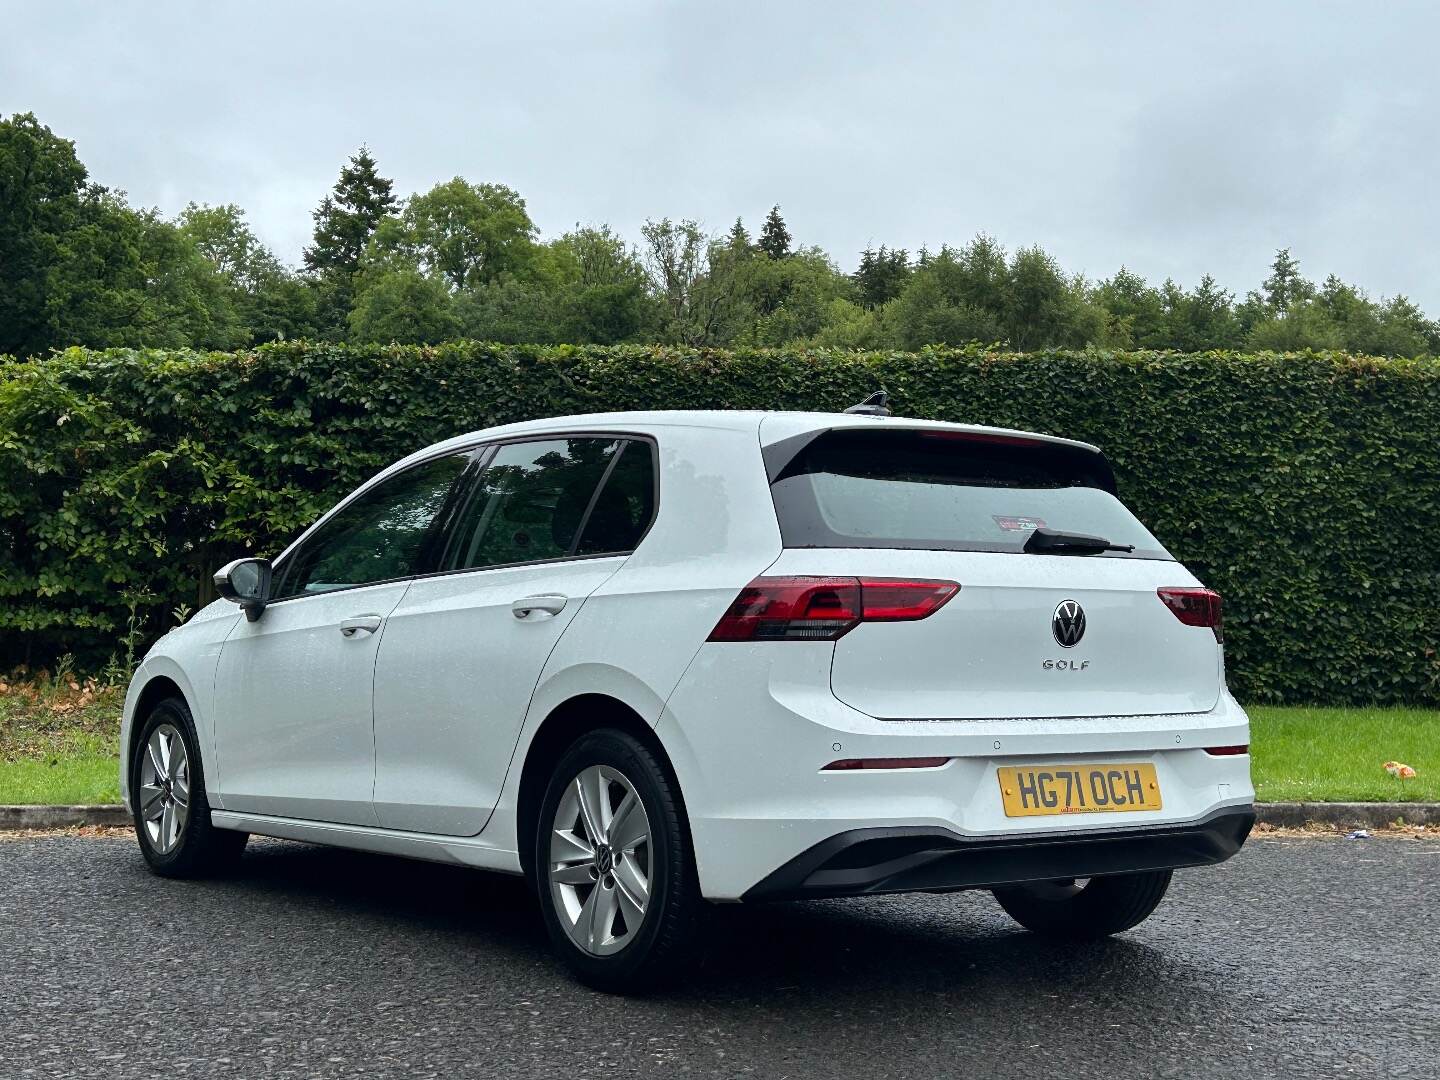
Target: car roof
(771, 427)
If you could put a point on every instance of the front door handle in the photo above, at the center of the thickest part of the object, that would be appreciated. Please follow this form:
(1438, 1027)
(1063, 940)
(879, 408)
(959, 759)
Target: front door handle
(360, 624)
(534, 608)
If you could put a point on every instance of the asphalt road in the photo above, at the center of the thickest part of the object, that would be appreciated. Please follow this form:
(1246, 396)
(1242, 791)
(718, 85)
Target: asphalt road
(1301, 957)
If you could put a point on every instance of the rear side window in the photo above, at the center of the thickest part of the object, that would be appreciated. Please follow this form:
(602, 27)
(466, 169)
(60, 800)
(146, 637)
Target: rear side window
(944, 491)
(552, 499)
(624, 506)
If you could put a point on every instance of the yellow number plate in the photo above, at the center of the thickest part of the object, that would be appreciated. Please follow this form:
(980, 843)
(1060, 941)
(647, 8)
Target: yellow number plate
(1042, 790)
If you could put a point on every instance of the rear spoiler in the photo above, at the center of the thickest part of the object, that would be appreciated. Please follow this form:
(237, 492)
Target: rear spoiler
(1078, 458)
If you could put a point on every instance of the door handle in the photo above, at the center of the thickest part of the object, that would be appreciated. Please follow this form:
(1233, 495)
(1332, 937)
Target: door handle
(535, 608)
(360, 624)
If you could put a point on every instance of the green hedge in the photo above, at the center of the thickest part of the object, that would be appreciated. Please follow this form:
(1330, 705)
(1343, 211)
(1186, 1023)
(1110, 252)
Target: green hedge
(1305, 487)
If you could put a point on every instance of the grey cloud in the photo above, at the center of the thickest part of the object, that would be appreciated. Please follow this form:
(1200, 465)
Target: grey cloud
(1177, 139)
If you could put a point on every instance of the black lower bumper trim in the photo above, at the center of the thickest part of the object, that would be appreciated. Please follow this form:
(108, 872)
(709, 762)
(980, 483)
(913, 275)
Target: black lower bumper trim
(865, 862)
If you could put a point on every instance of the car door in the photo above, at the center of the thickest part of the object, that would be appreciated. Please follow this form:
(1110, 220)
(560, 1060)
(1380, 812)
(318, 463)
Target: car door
(547, 522)
(294, 723)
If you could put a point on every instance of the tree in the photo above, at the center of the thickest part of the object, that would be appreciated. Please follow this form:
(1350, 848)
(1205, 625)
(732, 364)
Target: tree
(738, 238)
(605, 297)
(1203, 318)
(44, 195)
(943, 302)
(271, 301)
(1285, 287)
(1046, 308)
(468, 234)
(400, 304)
(80, 267)
(345, 221)
(783, 300)
(881, 275)
(1135, 310)
(349, 216)
(696, 282)
(1304, 326)
(847, 325)
(774, 236)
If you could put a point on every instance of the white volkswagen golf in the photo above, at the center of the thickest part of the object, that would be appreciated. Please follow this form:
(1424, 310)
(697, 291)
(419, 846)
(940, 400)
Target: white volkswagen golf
(655, 660)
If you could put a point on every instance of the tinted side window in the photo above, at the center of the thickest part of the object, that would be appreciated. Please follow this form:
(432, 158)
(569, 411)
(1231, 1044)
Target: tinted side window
(530, 502)
(386, 533)
(625, 505)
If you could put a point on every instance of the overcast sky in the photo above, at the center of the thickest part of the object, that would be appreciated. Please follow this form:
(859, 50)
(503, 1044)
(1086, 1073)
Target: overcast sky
(1177, 139)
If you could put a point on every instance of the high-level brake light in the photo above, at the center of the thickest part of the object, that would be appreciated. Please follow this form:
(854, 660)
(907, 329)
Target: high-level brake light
(825, 608)
(1195, 607)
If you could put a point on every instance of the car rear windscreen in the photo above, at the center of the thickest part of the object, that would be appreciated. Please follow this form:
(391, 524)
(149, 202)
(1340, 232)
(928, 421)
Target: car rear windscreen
(941, 490)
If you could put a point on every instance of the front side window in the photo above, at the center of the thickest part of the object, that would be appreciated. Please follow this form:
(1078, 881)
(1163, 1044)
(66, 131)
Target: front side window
(388, 532)
(544, 500)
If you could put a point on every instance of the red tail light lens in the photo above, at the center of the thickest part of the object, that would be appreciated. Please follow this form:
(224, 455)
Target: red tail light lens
(791, 609)
(1227, 751)
(825, 608)
(894, 600)
(1195, 607)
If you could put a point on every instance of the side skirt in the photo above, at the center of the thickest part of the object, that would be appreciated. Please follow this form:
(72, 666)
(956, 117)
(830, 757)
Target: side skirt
(462, 851)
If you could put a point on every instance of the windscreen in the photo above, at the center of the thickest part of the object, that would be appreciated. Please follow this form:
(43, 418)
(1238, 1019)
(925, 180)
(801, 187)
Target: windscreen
(948, 491)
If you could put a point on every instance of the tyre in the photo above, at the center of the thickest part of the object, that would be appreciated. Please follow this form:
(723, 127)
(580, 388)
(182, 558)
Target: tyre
(613, 866)
(1086, 908)
(171, 812)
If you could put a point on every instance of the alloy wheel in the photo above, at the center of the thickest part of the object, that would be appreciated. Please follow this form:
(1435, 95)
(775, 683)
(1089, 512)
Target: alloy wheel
(165, 788)
(600, 860)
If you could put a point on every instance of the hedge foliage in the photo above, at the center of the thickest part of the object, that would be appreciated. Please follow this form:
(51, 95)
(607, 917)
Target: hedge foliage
(1306, 487)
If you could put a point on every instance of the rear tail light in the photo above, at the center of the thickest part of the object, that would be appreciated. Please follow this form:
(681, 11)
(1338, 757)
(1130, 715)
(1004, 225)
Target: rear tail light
(851, 764)
(1195, 607)
(825, 608)
(1227, 751)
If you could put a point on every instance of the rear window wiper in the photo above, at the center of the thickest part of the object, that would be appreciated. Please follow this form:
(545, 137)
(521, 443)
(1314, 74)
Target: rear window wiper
(1055, 542)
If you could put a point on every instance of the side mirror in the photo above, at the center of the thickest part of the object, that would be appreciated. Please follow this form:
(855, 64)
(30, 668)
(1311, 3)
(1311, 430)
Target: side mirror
(245, 582)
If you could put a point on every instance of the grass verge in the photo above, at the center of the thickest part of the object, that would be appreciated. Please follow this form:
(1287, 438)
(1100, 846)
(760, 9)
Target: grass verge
(1305, 754)
(58, 745)
(58, 740)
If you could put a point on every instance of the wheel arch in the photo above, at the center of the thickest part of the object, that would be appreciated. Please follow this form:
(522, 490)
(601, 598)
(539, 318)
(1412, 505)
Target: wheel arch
(157, 679)
(156, 689)
(567, 722)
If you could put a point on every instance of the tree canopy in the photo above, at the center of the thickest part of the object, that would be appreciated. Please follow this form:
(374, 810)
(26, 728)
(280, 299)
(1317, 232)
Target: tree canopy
(80, 266)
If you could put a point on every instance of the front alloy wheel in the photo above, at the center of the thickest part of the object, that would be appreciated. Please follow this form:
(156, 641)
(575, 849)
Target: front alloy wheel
(172, 813)
(164, 788)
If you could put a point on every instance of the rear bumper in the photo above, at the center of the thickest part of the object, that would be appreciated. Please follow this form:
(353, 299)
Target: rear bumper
(866, 862)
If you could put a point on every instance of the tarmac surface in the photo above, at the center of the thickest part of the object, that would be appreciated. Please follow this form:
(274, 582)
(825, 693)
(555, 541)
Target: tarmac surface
(1303, 956)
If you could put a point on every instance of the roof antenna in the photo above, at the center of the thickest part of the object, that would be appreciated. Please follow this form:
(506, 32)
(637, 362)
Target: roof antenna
(877, 404)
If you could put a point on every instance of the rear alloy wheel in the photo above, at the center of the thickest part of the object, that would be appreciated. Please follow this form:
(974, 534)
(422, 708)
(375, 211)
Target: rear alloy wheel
(613, 866)
(1085, 907)
(600, 861)
(172, 814)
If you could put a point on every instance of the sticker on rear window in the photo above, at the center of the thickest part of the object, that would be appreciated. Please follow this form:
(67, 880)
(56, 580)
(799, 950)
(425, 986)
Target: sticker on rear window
(1019, 524)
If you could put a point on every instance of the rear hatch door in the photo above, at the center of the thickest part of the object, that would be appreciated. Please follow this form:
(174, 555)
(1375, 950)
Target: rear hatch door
(995, 649)
(1028, 634)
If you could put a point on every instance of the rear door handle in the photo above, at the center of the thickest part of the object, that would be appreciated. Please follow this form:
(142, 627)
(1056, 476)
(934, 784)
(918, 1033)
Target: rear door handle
(360, 624)
(534, 608)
